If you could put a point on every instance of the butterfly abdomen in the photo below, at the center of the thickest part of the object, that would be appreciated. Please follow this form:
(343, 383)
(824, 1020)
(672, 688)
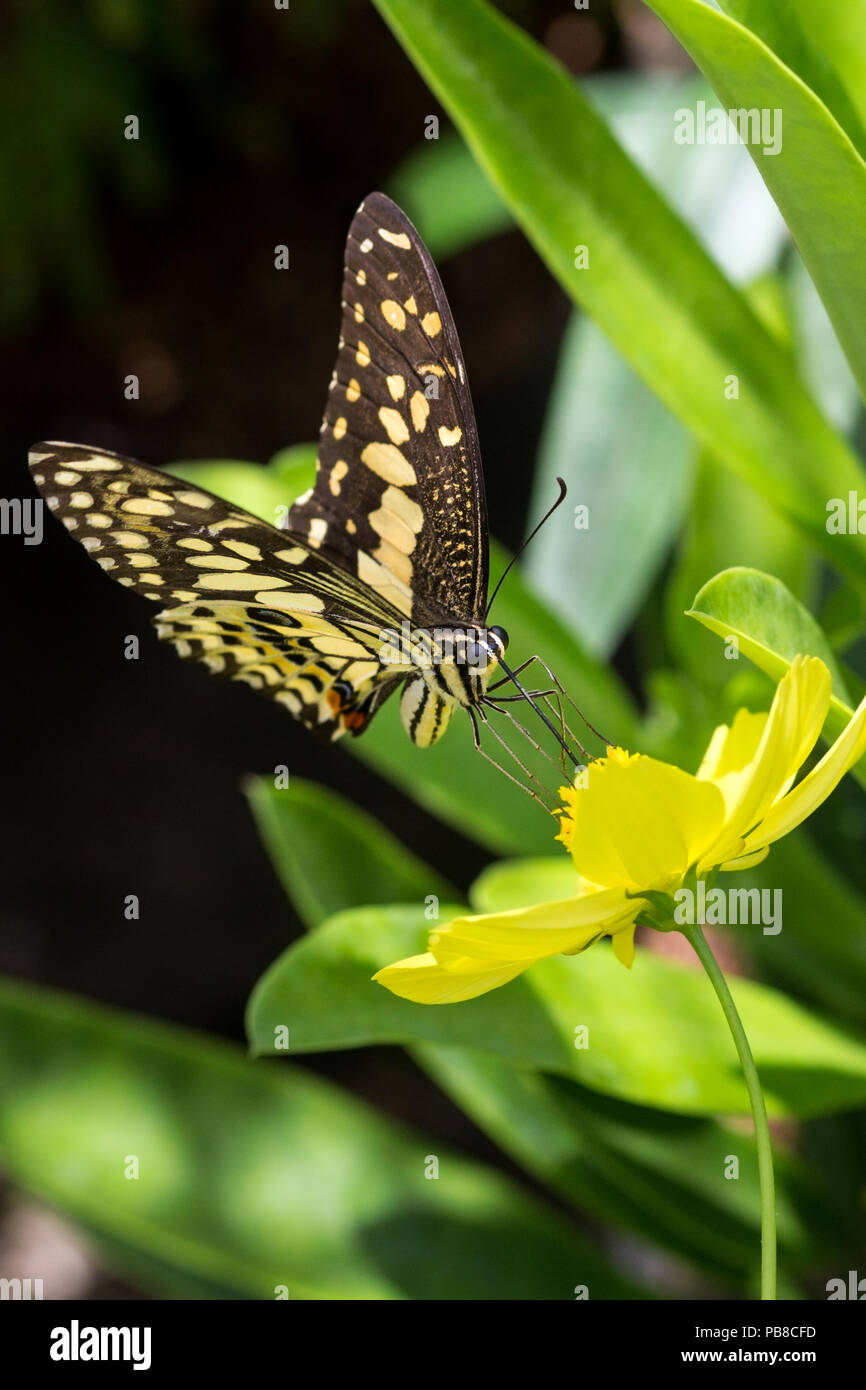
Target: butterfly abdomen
(424, 712)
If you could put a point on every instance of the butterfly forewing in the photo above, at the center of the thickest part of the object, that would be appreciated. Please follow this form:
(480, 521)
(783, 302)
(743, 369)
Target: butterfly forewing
(247, 599)
(399, 494)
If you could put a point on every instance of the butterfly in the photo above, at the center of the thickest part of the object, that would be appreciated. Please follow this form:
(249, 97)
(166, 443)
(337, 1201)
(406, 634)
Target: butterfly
(379, 580)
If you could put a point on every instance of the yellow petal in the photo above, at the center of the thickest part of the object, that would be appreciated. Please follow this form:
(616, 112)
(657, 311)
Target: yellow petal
(745, 861)
(732, 749)
(623, 946)
(808, 795)
(424, 981)
(794, 722)
(640, 824)
(528, 934)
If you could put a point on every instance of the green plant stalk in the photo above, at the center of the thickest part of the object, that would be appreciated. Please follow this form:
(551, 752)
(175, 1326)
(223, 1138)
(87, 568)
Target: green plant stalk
(697, 940)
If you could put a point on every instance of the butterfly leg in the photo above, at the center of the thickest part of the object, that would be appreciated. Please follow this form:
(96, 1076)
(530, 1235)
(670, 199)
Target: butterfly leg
(544, 797)
(564, 695)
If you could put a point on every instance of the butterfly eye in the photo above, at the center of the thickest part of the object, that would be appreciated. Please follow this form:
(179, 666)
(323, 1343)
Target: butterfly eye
(499, 635)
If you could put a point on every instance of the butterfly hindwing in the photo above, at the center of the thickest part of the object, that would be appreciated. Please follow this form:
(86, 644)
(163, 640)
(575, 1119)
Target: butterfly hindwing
(250, 601)
(399, 496)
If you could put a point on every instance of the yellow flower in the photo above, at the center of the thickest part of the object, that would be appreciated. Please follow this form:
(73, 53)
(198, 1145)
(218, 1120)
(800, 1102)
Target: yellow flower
(636, 827)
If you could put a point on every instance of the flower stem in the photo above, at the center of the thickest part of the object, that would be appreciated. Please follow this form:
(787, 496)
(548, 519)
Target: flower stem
(759, 1110)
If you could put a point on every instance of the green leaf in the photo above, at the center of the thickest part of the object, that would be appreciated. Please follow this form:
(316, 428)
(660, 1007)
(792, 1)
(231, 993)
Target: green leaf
(329, 855)
(771, 628)
(506, 95)
(656, 1034)
(830, 55)
(295, 467)
(817, 176)
(623, 455)
(252, 1177)
(628, 462)
(522, 882)
(656, 1175)
(820, 953)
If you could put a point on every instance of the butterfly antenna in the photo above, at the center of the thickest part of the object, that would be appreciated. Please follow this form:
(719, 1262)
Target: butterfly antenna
(533, 533)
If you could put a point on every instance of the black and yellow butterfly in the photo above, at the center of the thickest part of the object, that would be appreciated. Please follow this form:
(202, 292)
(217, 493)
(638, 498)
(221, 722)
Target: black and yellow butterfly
(381, 577)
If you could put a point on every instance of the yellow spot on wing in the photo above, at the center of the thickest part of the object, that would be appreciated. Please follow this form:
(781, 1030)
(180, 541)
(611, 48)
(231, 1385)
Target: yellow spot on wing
(353, 391)
(386, 461)
(338, 473)
(244, 548)
(419, 409)
(395, 238)
(397, 387)
(432, 324)
(392, 524)
(410, 306)
(362, 356)
(146, 506)
(81, 499)
(394, 560)
(217, 562)
(404, 507)
(193, 543)
(133, 540)
(394, 424)
(379, 578)
(393, 313)
(450, 437)
(238, 582)
(294, 603)
(195, 499)
(340, 427)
